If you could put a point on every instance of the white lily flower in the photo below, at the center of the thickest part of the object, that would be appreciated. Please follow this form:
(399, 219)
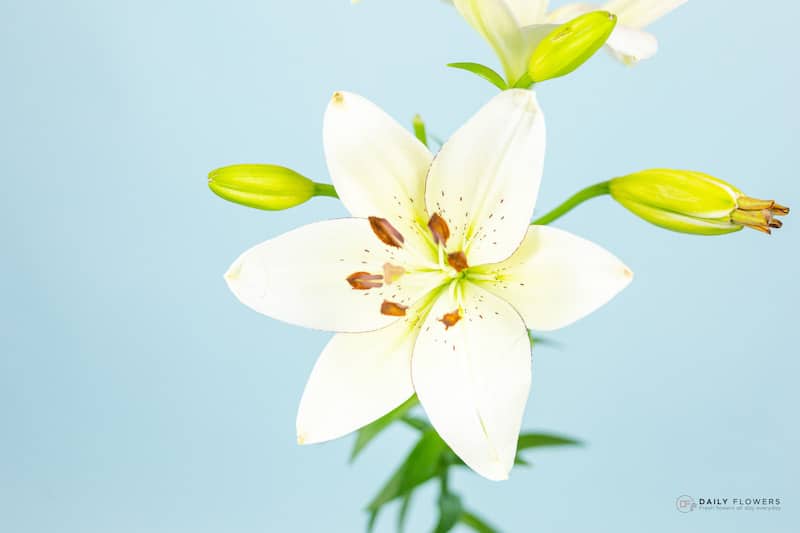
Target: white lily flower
(433, 284)
(514, 27)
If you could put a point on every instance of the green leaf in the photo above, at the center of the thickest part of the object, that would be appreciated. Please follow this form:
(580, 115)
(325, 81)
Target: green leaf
(450, 510)
(543, 341)
(401, 515)
(370, 431)
(416, 423)
(476, 523)
(419, 130)
(484, 72)
(536, 440)
(421, 465)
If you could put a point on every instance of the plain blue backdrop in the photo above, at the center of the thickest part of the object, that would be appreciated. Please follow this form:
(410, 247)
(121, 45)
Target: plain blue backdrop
(137, 394)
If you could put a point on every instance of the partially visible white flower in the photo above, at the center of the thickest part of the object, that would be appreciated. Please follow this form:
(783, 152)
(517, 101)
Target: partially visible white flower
(514, 27)
(434, 283)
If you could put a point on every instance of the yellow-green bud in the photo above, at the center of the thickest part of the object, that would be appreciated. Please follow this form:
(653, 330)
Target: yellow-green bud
(267, 187)
(570, 45)
(693, 202)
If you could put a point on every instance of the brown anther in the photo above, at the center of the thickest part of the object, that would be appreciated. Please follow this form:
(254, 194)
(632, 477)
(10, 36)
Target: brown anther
(363, 281)
(758, 214)
(439, 229)
(387, 233)
(457, 260)
(393, 308)
(392, 273)
(450, 319)
(780, 210)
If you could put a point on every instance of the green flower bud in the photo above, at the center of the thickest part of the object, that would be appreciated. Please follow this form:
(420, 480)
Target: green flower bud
(570, 45)
(267, 187)
(693, 202)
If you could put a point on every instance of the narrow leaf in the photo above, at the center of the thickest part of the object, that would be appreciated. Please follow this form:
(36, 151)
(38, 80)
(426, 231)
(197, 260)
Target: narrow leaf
(536, 440)
(484, 72)
(450, 510)
(370, 431)
(476, 523)
(416, 423)
(401, 516)
(419, 130)
(420, 466)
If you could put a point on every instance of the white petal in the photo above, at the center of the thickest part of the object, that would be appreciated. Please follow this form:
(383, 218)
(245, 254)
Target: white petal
(640, 13)
(630, 45)
(473, 379)
(556, 278)
(358, 378)
(485, 180)
(528, 12)
(570, 11)
(377, 166)
(495, 21)
(301, 276)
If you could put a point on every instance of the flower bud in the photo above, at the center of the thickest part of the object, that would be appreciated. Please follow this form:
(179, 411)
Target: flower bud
(693, 202)
(267, 187)
(570, 45)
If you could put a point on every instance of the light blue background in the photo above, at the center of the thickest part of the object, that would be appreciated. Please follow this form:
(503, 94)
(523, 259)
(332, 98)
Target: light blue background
(136, 393)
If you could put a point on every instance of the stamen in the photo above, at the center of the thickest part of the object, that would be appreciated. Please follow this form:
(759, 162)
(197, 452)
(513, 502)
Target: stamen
(363, 281)
(439, 229)
(387, 233)
(457, 260)
(392, 273)
(450, 319)
(393, 308)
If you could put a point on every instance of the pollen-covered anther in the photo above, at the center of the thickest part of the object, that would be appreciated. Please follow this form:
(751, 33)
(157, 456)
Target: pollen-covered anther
(392, 273)
(457, 260)
(387, 233)
(363, 281)
(439, 229)
(758, 214)
(450, 319)
(393, 308)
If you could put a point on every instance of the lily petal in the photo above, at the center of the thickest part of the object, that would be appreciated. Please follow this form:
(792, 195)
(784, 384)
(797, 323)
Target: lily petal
(556, 278)
(570, 11)
(472, 376)
(301, 277)
(358, 378)
(485, 179)
(640, 13)
(528, 12)
(377, 166)
(630, 45)
(496, 22)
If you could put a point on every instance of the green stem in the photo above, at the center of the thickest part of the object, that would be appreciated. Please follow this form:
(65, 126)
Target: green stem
(593, 191)
(325, 189)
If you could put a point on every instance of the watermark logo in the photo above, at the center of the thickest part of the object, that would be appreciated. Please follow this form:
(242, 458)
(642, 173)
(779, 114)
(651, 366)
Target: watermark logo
(685, 504)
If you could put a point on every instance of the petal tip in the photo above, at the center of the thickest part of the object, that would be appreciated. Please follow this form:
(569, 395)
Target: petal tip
(302, 438)
(234, 273)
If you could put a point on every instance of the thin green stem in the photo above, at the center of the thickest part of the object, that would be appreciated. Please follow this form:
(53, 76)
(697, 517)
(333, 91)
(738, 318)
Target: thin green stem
(444, 485)
(593, 191)
(325, 189)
